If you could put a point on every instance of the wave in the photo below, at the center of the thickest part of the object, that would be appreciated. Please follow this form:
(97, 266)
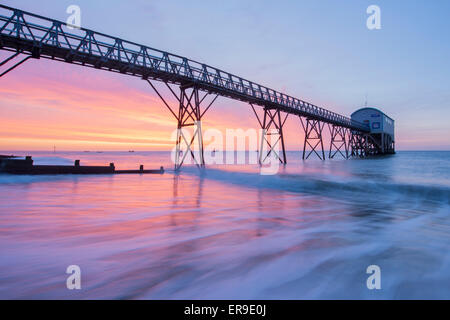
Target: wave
(329, 186)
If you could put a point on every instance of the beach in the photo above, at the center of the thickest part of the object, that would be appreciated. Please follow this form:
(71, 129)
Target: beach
(227, 232)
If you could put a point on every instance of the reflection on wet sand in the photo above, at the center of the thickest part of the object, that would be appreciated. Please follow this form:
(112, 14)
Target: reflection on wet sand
(224, 233)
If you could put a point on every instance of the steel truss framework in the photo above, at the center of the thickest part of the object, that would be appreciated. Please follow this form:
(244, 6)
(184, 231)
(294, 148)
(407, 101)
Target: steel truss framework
(313, 138)
(360, 145)
(387, 144)
(365, 145)
(339, 140)
(271, 125)
(189, 114)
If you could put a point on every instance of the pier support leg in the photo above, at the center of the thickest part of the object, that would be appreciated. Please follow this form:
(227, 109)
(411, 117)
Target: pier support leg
(359, 144)
(189, 115)
(338, 141)
(271, 125)
(349, 139)
(352, 144)
(313, 138)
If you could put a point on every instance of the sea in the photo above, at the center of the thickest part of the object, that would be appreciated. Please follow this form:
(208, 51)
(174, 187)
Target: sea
(313, 230)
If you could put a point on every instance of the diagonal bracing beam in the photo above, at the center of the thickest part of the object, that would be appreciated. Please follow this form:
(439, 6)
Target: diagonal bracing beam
(271, 125)
(189, 115)
(359, 144)
(313, 137)
(15, 65)
(338, 141)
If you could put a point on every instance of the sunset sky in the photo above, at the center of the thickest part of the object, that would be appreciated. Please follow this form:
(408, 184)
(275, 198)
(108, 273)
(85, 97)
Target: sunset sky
(318, 51)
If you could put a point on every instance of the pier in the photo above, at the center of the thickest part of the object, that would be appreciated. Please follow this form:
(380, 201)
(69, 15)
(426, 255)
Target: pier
(29, 36)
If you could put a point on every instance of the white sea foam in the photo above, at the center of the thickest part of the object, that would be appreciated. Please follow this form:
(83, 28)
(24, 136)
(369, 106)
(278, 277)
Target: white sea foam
(228, 232)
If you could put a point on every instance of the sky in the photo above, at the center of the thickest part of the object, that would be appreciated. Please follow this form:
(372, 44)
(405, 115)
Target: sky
(320, 51)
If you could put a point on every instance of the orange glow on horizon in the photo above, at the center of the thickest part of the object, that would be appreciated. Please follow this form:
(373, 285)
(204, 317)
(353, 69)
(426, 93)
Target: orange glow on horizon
(50, 104)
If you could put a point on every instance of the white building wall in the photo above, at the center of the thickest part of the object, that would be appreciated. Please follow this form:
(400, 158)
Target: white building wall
(377, 120)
